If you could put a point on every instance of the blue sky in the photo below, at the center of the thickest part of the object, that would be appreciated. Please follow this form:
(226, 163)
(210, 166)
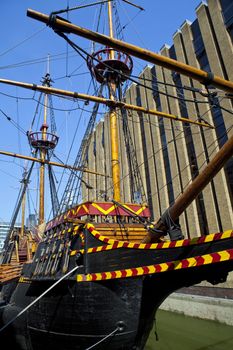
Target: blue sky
(25, 46)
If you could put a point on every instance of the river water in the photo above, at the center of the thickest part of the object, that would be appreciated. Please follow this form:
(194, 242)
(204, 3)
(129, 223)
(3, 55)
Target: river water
(179, 332)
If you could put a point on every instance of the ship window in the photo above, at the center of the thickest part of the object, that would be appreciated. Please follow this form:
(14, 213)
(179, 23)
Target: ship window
(166, 162)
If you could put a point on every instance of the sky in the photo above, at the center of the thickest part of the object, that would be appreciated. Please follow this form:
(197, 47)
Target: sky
(25, 50)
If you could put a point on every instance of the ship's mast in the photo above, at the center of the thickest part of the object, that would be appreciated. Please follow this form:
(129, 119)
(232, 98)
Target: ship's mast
(23, 210)
(113, 122)
(43, 152)
(43, 142)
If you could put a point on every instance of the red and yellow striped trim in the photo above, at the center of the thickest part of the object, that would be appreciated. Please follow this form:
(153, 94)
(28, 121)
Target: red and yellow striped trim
(206, 259)
(99, 208)
(169, 244)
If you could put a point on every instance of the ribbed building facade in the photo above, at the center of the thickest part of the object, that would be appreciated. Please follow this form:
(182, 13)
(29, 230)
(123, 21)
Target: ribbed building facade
(169, 154)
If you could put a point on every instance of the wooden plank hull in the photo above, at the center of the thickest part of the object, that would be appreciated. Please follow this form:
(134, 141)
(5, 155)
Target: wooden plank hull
(118, 286)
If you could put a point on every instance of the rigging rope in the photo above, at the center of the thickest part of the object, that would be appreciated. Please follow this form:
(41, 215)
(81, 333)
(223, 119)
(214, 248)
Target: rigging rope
(106, 337)
(21, 42)
(71, 191)
(79, 7)
(13, 122)
(53, 192)
(38, 298)
(135, 175)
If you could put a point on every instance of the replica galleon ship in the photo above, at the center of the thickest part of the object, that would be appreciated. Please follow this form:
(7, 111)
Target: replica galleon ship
(94, 275)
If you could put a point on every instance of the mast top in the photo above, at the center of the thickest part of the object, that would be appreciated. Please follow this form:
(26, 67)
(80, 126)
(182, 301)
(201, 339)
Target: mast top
(110, 65)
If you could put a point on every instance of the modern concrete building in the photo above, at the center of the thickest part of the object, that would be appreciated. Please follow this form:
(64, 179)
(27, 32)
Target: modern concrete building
(4, 228)
(170, 154)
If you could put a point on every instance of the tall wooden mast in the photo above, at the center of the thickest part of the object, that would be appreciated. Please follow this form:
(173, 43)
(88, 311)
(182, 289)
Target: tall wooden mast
(43, 152)
(105, 65)
(113, 122)
(43, 141)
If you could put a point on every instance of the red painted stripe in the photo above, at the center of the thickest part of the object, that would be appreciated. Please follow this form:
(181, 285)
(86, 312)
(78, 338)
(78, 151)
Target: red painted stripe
(145, 270)
(185, 263)
(103, 275)
(134, 272)
(217, 236)
(172, 244)
(113, 274)
(94, 276)
(200, 260)
(171, 265)
(115, 245)
(216, 257)
(125, 244)
(160, 245)
(123, 273)
(185, 242)
(147, 246)
(158, 268)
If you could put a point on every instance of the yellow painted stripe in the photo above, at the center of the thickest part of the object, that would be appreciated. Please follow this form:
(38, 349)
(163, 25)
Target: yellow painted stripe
(140, 270)
(118, 274)
(209, 238)
(105, 212)
(179, 243)
(163, 267)
(178, 266)
(224, 255)
(208, 259)
(227, 234)
(192, 261)
(151, 269)
(164, 245)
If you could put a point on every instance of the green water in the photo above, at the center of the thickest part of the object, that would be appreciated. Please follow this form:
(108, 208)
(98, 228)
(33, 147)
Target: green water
(179, 332)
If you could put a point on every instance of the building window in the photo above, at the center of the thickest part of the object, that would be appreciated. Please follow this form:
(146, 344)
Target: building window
(227, 12)
(170, 190)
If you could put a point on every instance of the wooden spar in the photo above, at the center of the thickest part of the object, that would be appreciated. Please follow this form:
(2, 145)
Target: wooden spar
(107, 102)
(203, 77)
(10, 154)
(192, 191)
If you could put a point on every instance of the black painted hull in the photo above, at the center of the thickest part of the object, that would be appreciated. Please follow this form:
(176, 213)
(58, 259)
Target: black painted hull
(76, 315)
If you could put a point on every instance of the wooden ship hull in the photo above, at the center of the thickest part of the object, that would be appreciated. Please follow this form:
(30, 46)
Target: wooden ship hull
(117, 285)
